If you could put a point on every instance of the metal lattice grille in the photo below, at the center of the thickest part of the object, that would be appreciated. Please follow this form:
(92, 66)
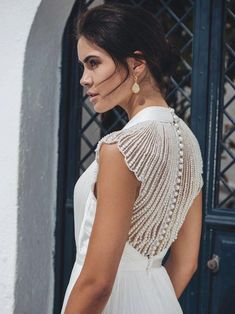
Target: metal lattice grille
(227, 168)
(177, 20)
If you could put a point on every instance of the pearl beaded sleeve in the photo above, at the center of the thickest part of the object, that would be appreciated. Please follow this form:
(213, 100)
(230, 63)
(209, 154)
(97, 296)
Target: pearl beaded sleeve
(166, 158)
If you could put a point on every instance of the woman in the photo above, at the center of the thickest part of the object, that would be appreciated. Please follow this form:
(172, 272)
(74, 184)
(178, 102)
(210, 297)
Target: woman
(142, 194)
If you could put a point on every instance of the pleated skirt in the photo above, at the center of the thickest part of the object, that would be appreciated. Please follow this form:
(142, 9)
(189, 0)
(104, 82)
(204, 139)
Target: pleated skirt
(140, 287)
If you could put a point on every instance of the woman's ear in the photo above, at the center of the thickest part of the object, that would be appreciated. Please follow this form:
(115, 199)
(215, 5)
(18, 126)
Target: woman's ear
(137, 65)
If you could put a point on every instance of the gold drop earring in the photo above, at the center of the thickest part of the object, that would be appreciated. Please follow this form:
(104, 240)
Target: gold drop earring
(135, 87)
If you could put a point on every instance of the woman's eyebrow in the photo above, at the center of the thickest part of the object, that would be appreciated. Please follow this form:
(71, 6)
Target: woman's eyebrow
(87, 58)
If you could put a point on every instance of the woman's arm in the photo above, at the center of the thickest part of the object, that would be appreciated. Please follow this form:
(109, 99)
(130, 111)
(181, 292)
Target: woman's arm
(183, 258)
(117, 189)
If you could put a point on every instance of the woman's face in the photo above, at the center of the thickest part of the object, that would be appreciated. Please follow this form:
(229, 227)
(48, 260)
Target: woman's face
(104, 81)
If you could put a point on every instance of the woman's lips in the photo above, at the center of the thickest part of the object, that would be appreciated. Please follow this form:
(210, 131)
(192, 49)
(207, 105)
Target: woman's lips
(93, 98)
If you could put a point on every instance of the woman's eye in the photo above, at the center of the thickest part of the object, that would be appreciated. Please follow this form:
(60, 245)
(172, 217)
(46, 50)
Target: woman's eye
(93, 63)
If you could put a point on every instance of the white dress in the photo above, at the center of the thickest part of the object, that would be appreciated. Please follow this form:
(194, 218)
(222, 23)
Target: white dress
(159, 148)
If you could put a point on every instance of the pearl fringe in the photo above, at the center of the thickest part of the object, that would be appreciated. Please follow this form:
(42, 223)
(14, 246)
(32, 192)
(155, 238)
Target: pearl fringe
(166, 158)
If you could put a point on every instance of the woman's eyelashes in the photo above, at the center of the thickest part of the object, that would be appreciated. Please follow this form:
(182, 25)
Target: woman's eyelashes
(91, 64)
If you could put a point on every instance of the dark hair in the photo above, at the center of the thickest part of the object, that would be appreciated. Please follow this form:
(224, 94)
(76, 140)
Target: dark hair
(121, 29)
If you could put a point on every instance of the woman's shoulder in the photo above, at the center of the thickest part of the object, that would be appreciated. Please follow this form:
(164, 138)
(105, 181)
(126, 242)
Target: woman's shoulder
(148, 136)
(137, 137)
(151, 148)
(142, 128)
(140, 144)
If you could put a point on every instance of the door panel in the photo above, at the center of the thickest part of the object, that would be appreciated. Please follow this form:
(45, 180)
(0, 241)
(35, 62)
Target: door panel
(222, 292)
(217, 288)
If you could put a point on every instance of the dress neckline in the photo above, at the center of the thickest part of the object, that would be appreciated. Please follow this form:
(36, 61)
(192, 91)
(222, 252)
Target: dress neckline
(158, 113)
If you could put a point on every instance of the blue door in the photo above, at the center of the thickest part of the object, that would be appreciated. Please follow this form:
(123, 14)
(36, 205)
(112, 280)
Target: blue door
(214, 123)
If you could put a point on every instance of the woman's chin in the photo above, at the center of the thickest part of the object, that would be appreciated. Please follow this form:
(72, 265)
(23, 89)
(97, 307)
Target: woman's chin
(98, 108)
(101, 108)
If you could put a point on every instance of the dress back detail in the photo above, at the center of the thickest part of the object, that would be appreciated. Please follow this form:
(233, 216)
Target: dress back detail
(163, 153)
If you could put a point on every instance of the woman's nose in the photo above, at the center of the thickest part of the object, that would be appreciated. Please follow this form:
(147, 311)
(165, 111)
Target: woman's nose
(85, 80)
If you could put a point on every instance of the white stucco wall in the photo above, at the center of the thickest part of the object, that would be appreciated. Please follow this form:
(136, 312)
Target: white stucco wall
(12, 50)
(30, 58)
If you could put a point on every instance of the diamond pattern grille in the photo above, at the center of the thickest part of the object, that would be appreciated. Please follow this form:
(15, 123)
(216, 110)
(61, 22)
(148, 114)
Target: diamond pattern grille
(227, 166)
(177, 19)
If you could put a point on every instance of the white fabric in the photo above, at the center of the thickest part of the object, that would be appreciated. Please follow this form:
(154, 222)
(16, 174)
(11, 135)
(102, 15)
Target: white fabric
(165, 157)
(142, 285)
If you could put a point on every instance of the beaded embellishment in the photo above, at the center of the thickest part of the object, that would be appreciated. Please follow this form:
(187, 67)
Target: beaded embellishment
(159, 242)
(166, 158)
